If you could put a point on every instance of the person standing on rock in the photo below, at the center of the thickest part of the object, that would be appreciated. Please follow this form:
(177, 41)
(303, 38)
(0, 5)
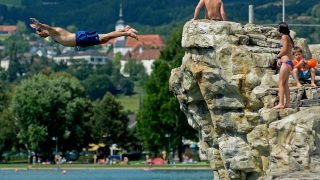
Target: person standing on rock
(214, 10)
(284, 60)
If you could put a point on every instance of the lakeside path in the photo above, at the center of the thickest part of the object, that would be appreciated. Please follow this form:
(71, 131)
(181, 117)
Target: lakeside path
(106, 167)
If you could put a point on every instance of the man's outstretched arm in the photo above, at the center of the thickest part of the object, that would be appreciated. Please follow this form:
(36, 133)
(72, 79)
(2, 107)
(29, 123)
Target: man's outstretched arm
(36, 25)
(197, 10)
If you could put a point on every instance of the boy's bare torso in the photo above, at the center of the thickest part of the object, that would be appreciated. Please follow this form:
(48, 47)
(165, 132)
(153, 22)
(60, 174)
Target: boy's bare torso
(213, 9)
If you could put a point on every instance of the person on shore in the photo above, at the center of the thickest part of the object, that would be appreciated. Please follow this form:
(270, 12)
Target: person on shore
(80, 38)
(302, 70)
(284, 60)
(148, 159)
(214, 10)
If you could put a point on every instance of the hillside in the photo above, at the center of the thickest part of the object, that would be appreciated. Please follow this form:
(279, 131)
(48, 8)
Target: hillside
(10, 3)
(149, 16)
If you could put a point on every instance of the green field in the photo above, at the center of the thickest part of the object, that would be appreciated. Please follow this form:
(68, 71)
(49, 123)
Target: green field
(2, 38)
(131, 103)
(16, 3)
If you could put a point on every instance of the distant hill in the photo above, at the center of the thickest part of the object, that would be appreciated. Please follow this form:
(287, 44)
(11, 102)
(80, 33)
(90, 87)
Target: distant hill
(11, 3)
(149, 16)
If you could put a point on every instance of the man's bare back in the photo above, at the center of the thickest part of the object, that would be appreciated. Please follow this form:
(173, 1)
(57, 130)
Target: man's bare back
(214, 10)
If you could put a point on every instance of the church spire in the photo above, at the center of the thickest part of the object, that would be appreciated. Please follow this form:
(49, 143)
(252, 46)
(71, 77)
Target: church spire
(120, 11)
(120, 23)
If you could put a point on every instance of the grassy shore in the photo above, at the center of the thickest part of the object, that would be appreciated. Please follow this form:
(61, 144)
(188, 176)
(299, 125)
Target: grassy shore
(103, 166)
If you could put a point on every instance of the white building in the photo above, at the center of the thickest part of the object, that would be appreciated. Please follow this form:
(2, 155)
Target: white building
(90, 56)
(4, 63)
(146, 50)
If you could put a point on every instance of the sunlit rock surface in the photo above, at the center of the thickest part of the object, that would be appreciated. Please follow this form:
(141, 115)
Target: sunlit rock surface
(227, 85)
(315, 50)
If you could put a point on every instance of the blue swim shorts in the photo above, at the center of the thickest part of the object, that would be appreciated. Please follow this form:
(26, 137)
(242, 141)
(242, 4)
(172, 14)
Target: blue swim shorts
(86, 38)
(303, 75)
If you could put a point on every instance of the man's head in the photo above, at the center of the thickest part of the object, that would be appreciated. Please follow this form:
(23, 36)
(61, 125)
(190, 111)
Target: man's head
(297, 52)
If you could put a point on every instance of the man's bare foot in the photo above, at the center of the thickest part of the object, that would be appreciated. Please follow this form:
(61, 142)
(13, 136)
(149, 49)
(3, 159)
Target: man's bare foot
(127, 28)
(313, 85)
(130, 28)
(279, 106)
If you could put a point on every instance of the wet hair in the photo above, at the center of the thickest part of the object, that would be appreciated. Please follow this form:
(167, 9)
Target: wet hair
(297, 49)
(284, 29)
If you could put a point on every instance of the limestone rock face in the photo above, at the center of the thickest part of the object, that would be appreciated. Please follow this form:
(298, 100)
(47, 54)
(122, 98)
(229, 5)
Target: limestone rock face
(226, 87)
(315, 50)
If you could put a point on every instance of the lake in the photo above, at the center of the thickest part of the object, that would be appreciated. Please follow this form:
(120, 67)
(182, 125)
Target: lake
(106, 174)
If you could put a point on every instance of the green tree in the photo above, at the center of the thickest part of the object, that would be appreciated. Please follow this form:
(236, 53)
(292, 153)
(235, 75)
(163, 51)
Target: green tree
(109, 122)
(123, 84)
(107, 68)
(315, 12)
(8, 132)
(4, 95)
(81, 69)
(116, 62)
(48, 106)
(8, 129)
(21, 28)
(160, 113)
(15, 69)
(37, 65)
(3, 74)
(97, 85)
(20, 40)
(135, 70)
(15, 45)
(60, 66)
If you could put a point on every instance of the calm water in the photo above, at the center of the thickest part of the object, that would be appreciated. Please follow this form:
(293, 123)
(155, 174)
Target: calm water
(109, 174)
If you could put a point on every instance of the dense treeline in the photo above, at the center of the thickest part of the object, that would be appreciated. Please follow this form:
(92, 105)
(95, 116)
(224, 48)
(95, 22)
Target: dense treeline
(151, 16)
(45, 105)
(41, 100)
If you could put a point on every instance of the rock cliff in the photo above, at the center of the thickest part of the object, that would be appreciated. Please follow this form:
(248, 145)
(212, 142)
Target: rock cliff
(226, 87)
(315, 50)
